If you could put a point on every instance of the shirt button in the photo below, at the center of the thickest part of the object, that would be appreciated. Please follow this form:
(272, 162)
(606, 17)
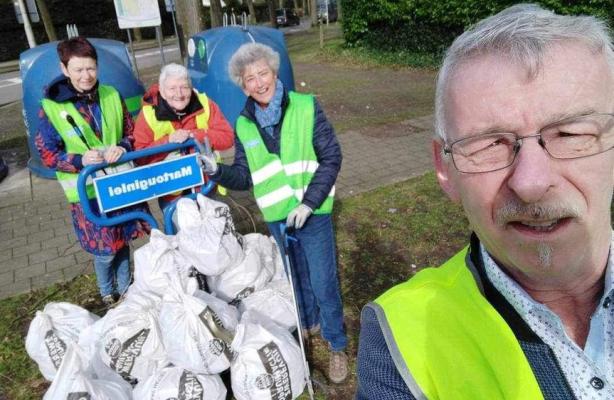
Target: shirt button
(597, 383)
(606, 302)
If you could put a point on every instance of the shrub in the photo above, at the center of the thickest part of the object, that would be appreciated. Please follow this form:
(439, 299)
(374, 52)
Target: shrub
(429, 26)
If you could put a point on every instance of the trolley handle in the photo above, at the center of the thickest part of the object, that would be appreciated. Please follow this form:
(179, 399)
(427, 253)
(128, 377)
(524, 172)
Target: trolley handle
(129, 156)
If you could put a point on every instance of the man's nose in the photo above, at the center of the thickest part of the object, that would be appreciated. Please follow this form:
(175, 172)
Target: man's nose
(532, 174)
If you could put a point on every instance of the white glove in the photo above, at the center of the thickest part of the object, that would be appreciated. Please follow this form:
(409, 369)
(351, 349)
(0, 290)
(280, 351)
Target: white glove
(298, 216)
(208, 163)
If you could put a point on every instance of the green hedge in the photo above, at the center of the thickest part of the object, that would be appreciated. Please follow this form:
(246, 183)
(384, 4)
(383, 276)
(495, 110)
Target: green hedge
(429, 26)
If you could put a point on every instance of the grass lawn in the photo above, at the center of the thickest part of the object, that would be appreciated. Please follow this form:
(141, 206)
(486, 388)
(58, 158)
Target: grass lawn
(383, 238)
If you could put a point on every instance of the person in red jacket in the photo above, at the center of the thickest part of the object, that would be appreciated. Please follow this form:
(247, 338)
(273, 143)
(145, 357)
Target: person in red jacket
(172, 112)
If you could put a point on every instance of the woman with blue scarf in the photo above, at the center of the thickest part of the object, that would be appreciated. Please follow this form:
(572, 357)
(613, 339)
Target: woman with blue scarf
(287, 151)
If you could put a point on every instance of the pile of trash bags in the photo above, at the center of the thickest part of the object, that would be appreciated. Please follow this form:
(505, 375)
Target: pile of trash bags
(175, 332)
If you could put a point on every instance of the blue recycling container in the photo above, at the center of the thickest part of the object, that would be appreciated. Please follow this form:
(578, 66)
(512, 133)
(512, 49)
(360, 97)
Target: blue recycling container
(40, 65)
(208, 56)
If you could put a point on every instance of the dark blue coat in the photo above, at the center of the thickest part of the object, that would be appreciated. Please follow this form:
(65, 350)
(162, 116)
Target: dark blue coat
(325, 144)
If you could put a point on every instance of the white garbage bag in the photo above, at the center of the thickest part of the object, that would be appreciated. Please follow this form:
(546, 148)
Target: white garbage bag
(243, 279)
(274, 301)
(74, 381)
(173, 382)
(154, 261)
(129, 343)
(197, 329)
(207, 237)
(268, 363)
(50, 332)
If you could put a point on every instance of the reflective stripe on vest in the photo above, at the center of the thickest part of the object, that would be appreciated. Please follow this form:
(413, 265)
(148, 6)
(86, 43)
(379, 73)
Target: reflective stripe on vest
(448, 342)
(163, 128)
(112, 117)
(280, 182)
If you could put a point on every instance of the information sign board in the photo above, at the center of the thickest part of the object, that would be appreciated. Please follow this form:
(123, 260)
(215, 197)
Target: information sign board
(137, 13)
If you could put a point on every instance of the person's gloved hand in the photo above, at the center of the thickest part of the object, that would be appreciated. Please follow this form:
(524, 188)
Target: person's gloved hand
(208, 163)
(298, 216)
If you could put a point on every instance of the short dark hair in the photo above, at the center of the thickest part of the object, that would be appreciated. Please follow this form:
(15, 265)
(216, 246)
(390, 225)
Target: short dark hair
(76, 47)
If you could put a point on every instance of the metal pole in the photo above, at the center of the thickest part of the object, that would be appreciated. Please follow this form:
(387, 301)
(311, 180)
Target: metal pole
(136, 67)
(159, 36)
(26, 23)
(175, 28)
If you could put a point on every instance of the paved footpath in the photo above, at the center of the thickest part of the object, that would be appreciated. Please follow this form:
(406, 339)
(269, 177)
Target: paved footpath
(38, 246)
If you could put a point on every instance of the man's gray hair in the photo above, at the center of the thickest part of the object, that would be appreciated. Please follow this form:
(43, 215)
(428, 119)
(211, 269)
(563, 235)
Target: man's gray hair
(250, 53)
(174, 71)
(523, 33)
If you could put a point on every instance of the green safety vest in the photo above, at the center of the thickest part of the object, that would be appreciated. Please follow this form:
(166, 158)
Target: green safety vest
(163, 128)
(112, 132)
(449, 342)
(281, 181)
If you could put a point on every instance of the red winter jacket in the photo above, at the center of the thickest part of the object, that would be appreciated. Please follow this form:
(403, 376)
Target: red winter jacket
(220, 134)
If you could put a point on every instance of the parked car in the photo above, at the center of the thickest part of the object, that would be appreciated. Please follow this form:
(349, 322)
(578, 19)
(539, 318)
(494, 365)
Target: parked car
(287, 17)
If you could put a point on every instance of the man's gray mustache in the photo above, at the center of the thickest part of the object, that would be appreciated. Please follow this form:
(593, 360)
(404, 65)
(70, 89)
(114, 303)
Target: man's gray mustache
(515, 210)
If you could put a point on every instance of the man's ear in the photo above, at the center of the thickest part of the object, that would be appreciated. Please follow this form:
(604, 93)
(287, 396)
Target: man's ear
(64, 69)
(442, 169)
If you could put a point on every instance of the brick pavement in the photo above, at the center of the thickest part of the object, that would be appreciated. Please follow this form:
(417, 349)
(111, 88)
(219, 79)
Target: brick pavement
(38, 246)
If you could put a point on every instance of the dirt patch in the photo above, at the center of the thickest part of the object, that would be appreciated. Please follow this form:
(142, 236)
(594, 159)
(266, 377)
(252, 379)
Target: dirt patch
(355, 98)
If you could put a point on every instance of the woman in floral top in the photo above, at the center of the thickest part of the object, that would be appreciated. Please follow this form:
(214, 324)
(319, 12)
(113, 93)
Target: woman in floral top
(81, 124)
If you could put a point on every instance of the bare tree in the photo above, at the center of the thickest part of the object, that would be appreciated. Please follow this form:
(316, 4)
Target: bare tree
(313, 10)
(138, 36)
(46, 17)
(216, 13)
(252, 12)
(190, 19)
(273, 19)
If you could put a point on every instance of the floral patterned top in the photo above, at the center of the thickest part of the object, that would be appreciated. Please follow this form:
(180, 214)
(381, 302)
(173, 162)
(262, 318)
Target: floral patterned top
(94, 238)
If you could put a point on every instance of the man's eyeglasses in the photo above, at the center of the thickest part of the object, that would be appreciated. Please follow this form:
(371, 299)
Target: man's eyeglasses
(570, 138)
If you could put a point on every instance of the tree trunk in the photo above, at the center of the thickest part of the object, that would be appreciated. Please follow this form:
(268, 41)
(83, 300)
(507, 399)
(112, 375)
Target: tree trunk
(216, 13)
(271, 4)
(252, 12)
(190, 19)
(313, 12)
(137, 34)
(295, 5)
(339, 11)
(46, 17)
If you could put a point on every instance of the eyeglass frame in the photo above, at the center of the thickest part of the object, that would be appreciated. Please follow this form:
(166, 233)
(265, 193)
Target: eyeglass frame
(447, 148)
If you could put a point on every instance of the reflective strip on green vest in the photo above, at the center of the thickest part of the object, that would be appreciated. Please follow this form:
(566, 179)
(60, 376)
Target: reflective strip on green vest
(281, 181)
(163, 128)
(448, 342)
(112, 131)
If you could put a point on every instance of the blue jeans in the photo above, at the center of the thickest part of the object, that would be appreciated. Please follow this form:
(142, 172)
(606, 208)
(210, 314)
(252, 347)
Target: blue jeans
(314, 272)
(113, 269)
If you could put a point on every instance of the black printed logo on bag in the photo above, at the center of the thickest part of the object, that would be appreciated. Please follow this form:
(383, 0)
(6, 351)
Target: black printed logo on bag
(222, 337)
(189, 387)
(124, 356)
(229, 226)
(56, 348)
(242, 295)
(276, 367)
(79, 396)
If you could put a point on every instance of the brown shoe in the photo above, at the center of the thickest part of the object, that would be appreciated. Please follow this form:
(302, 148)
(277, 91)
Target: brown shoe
(338, 366)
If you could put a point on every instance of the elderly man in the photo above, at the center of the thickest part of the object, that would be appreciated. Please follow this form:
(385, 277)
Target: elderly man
(173, 111)
(525, 129)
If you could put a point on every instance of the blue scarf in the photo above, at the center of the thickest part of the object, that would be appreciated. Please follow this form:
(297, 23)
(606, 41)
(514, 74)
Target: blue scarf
(269, 117)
